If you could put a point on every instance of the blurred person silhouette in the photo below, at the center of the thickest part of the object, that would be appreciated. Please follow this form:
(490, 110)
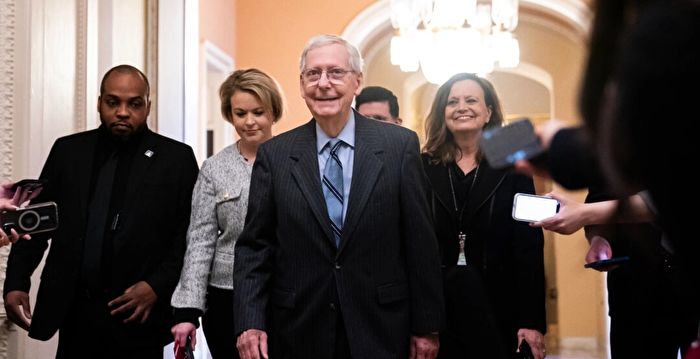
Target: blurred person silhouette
(646, 300)
(637, 111)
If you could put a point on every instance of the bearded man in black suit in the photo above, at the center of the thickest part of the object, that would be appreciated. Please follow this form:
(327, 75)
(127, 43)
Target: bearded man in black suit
(123, 194)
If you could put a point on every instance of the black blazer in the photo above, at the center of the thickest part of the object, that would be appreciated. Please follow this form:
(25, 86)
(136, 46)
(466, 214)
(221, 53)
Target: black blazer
(149, 247)
(507, 254)
(384, 278)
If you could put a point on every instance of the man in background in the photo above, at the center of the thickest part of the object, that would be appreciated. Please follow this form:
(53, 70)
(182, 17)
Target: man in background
(378, 103)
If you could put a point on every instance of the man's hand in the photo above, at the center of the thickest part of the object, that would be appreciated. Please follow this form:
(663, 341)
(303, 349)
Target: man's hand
(424, 346)
(13, 301)
(535, 339)
(138, 298)
(252, 344)
(183, 330)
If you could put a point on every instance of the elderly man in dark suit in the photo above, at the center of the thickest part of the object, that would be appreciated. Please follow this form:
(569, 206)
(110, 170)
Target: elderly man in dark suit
(123, 194)
(337, 258)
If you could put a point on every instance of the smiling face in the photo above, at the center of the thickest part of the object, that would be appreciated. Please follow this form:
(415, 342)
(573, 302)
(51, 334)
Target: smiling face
(330, 99)
(124, 104)
(466, 109)
(251, 120)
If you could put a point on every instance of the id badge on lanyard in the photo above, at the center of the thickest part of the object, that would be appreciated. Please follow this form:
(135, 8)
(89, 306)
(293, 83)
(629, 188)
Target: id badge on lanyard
(462, 259)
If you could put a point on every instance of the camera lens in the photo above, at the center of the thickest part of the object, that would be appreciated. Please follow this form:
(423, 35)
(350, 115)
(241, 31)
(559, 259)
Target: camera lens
(29, 221)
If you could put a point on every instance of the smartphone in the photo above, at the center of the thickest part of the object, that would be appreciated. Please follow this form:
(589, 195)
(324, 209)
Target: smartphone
(601, 264)
(502, 146)
(30, 184)
(40, 217)
(532, 208)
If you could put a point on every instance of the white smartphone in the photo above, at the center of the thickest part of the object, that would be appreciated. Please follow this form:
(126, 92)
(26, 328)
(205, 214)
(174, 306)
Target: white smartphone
(532, 208)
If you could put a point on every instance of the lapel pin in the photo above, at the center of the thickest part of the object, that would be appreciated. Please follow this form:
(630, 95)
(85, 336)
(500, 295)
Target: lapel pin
(148, 153)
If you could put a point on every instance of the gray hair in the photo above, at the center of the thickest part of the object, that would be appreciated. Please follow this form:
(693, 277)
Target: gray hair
(355, 60)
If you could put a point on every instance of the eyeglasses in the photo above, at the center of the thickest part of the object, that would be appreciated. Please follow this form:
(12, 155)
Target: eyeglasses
(334, 75)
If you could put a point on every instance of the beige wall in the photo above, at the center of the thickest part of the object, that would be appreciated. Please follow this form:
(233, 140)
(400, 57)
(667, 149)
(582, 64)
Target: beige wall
(272, 33)
(216, 23)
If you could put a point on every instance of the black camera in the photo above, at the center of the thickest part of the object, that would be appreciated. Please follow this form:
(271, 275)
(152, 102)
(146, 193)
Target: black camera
(40, 217)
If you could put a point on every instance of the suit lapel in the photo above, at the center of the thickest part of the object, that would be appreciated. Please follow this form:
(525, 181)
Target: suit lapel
(486, 182)
(306, 174)
(86, 157)
(366, 169)
(440, 183)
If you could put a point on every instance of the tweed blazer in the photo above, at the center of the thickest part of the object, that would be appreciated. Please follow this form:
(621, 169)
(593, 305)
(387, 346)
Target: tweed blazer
(219, 205)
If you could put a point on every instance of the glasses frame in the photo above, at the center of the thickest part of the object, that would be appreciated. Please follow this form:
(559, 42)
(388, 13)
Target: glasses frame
(334, 75)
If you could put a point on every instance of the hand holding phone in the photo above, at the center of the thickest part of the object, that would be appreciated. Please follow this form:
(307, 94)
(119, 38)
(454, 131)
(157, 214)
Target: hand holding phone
(15, 194)
(532, 208)
(607, 264)
(27, 184)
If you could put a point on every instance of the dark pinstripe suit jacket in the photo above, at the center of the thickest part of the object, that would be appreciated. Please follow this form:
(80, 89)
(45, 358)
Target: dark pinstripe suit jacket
(386, 272)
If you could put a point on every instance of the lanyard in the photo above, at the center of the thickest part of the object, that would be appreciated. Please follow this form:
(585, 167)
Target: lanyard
(461, 236)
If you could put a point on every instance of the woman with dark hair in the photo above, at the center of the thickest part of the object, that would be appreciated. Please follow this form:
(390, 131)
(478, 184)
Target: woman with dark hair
(251, 102)
(493, 266)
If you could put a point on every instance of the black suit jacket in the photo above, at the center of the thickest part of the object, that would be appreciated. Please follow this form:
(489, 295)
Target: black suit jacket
(148, 247)
(506, 255)
(385, 277)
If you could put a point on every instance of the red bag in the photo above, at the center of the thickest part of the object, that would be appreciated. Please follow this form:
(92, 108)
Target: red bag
(184, 352)
(694, 351)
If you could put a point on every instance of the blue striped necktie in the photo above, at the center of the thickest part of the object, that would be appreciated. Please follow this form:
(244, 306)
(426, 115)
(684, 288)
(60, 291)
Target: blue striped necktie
(333, 189)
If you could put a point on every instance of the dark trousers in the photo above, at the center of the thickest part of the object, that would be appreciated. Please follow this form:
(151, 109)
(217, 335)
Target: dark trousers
(472, 331)
(90, 331)
(652, 320)
(217, 323)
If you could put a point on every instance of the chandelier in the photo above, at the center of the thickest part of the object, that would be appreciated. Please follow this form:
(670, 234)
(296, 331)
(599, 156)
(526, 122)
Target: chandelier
(445, 37)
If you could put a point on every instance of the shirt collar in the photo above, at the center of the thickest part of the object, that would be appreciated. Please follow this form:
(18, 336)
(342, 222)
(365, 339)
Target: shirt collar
(347, 134)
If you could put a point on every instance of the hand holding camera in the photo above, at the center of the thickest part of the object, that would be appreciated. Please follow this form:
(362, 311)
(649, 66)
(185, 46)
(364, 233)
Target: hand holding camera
(20, 222)
(40, 217)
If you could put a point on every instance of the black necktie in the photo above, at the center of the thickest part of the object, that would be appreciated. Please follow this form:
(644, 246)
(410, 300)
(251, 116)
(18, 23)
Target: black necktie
(97, 218)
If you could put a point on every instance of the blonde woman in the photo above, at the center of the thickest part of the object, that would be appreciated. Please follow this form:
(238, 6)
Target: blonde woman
(251, 102)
